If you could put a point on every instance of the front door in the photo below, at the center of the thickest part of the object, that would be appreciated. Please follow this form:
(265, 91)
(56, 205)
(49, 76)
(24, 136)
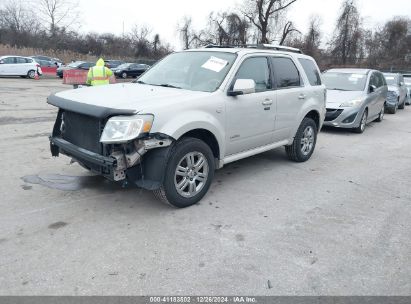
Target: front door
(250, 118)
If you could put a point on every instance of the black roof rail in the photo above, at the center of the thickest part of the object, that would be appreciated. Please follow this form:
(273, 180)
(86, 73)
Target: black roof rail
(258, 46)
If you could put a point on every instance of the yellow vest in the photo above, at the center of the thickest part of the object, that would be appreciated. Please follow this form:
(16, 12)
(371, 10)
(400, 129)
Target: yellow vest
(99, 75)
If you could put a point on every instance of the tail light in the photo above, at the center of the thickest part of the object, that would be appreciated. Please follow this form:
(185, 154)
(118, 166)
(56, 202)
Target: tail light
(37, 65)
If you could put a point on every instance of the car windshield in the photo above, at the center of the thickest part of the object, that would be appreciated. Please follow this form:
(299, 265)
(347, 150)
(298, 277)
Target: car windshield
(196, 71)
(344, 81)
(75, 64)
(391, 79)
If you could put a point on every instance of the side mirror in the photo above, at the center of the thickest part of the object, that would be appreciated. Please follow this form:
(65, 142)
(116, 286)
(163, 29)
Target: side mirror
(242, 87)
(373, 88)
(401, 84)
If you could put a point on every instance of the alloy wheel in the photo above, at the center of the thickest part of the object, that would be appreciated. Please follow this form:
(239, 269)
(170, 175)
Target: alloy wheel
(191, 174)
(307, 140)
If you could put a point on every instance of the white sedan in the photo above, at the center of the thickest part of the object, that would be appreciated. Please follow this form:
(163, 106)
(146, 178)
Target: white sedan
(19, 66)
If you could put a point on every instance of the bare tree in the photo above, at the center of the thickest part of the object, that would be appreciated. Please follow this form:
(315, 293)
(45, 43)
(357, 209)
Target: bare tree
(58, 13)
(312, 40)
(188, 36)
(287, 31)
(347, 43)
(263, 14)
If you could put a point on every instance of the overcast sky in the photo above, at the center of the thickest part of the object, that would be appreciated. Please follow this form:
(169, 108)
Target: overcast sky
(163, 16)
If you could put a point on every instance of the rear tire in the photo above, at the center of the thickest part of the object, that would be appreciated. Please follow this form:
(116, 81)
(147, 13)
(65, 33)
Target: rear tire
(189, 173)
(124, 75)
(31, 74)
(304, 141)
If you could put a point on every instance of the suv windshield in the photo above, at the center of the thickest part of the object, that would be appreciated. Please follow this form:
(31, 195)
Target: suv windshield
(196, 71)
(344, 81)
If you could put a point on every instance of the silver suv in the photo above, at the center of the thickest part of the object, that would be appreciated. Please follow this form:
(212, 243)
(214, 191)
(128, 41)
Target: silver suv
(193, 112)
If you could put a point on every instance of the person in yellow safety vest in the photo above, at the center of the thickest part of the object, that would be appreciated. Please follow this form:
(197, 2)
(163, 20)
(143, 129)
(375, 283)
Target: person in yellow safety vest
(99, 74)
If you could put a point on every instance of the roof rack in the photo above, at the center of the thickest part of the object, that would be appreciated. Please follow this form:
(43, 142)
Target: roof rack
(258, 46)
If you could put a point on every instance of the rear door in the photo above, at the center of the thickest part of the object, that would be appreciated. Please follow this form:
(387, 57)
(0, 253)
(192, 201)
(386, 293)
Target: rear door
(23, 66)
(291, 95)
(251, 118)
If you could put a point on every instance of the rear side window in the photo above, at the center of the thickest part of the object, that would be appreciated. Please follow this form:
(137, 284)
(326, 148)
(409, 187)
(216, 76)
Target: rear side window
(21, 60)
(311, 71)
(286, 73)
(256, 69)
(8, 60)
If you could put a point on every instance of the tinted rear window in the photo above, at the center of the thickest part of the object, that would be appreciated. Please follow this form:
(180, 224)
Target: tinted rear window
(286, 73)
(311, 71)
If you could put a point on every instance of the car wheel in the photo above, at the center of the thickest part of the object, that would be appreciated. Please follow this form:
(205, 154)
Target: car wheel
(402, 106)
(31, 74)
(124, 75)
(381, 115)
(304, 141)
(393, 110)
(363, 123)
(188, 175)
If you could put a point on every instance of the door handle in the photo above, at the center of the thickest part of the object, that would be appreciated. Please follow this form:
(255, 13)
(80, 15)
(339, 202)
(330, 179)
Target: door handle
(267, 102)
(302, 96)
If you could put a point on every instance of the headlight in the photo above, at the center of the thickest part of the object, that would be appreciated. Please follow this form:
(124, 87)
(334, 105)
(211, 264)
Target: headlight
(121, 129)
(352, 103)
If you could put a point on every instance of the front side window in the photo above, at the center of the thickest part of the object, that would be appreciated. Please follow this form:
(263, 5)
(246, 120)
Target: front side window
(192, 70)
(374, 81)
(311, 71)
(257, 70)
(286, 73)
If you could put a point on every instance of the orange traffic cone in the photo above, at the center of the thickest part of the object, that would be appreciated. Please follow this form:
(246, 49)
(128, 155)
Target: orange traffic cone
(36, 76)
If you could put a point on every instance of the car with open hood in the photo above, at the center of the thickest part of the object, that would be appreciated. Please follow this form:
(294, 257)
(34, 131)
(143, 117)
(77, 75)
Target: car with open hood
(193, 112)
(397, 92)
(355, 97)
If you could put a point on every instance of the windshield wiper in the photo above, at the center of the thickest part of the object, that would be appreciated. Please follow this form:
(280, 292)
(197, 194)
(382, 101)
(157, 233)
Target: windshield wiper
(336, 89)
(167, 85)
(140, 82)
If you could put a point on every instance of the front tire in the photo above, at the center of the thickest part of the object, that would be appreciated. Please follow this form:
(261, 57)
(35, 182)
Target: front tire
(189, 173)
(381, 115)
(363, 123)
(304, 141)
(402, 106)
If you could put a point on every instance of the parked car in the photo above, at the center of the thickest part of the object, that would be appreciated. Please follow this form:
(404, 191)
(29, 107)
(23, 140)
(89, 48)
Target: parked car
(397, 92)
(407, 82)
(354, 98)
(46, 61)
(113, 63)
(19, 66)
(130, 70)
(77, 65)
(193, 112)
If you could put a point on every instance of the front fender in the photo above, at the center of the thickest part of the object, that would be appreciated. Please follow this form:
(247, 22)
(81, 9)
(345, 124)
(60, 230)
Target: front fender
(192, 120)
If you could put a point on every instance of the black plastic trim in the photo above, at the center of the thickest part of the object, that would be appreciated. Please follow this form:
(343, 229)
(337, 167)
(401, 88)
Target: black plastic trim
(82, 154)
(87, 109)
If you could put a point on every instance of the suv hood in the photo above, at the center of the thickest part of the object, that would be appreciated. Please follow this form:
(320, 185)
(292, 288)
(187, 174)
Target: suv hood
(129, 98)
(335, 97)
